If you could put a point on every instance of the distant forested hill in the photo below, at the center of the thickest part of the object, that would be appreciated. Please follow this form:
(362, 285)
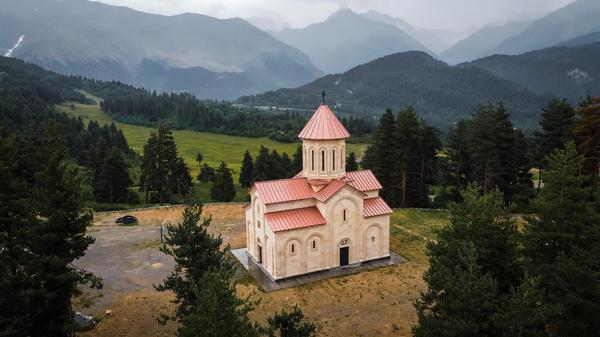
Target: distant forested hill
(128, 104)
(440, 93)
(565, 72)
(210, 57)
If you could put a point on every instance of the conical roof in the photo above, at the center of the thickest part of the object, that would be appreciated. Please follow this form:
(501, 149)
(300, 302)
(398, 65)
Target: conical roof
(323, 125)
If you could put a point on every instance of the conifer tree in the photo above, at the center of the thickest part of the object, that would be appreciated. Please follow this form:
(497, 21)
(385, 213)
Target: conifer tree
(562, 244)
(180, 179)
(407, 146)
(261, 165)
(290, 324)
(223, 188)
(113, 180)
(196, 253)
(587, 130)
(351, 163)
(297, 161)
(42, 231)
(247, 168)
(459, 157)
(557, 121)
(383, 160)
(159, 159)
(286, 164)
(207, 174)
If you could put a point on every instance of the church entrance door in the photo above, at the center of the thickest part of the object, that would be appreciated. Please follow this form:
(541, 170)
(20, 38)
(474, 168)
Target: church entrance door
(344, 256)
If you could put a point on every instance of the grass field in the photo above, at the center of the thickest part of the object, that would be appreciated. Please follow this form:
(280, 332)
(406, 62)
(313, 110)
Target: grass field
(371, 303)
(214, 147)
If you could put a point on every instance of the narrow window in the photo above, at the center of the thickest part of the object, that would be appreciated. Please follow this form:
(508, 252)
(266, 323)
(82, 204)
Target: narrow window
(344, 216)
(292, 248)
(312, 154)
(333, 158)
(314, 244)
(323, 160)
(372, 239)
(258, 223)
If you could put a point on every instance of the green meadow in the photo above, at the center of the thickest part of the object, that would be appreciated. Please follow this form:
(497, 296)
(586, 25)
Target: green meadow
(214, 147)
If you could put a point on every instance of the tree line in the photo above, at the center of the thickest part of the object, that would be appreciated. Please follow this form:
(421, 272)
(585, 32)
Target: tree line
(488, 278)
(418, 170)
(184, 111)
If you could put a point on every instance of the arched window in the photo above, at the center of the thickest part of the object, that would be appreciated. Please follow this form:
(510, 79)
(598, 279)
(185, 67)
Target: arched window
(333, 160)
(314, 244)
(344, 215)
(323, 160)
(293, 248)
(312, 155)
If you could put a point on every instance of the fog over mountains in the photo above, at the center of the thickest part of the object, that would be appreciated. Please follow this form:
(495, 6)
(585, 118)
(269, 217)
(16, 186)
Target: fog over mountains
(189, 52)
(229, 58)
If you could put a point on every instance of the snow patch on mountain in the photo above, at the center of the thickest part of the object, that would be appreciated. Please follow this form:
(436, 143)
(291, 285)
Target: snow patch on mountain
(11, 50)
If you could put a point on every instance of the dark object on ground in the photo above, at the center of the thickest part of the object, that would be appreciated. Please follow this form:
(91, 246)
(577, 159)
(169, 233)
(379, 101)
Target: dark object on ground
(126, 220)
(83, 321)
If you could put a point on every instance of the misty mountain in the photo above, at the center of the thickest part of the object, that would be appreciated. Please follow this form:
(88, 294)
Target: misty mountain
(440, 93)
(585, 39)
(428, 38)
(206, 56)
(574, 20)
(347, 39)
(561, 71)
(480, 43)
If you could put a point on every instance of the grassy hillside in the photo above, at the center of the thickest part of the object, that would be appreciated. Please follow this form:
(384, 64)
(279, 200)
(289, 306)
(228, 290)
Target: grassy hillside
(214, 147)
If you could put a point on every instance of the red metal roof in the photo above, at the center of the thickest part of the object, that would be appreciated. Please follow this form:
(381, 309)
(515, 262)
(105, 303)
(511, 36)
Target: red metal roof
(294, 219)
(329, 190)
(324, 125)
(363, 180)
(274, 191)
(375, 206)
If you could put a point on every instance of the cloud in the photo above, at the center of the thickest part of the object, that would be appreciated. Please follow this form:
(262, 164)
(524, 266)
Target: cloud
(445, 14)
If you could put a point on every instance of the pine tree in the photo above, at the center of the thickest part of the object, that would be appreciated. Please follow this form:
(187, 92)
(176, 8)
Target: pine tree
(247, 168)
(207, 174)
(196, 253)
(262, 169)
(113, 180)
(159, 160)
(286, 164)
(180, 179)
(563, 242)
(42, 231)
(218, 312)
(459, 158)
(290, 324)
(223, 188)
(557, 121)
(460, 299)
(297, 161)
(351, 163)
(587, 131)
(383, 161)
(407, 146)
(368, 158)
(276, 168)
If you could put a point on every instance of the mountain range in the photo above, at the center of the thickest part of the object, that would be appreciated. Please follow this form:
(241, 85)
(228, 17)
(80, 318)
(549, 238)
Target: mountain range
(569, 72)
(189, 52)
(347, 39)
(439, 93)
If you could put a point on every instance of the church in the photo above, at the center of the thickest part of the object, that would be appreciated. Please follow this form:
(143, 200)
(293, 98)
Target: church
(324, 217)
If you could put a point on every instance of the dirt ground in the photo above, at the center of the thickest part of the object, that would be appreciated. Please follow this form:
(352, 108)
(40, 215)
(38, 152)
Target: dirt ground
(378, 302)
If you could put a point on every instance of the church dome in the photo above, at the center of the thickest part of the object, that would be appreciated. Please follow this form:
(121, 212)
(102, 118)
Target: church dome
(323, 125)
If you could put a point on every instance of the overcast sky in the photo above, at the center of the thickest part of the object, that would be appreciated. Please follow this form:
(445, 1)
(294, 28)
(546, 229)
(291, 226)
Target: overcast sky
(446, 14)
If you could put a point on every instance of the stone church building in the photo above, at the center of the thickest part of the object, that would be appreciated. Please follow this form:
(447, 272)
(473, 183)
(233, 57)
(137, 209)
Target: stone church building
(322, 218)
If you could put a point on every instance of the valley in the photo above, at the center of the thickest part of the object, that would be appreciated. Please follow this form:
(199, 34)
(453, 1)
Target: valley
(214, 147)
